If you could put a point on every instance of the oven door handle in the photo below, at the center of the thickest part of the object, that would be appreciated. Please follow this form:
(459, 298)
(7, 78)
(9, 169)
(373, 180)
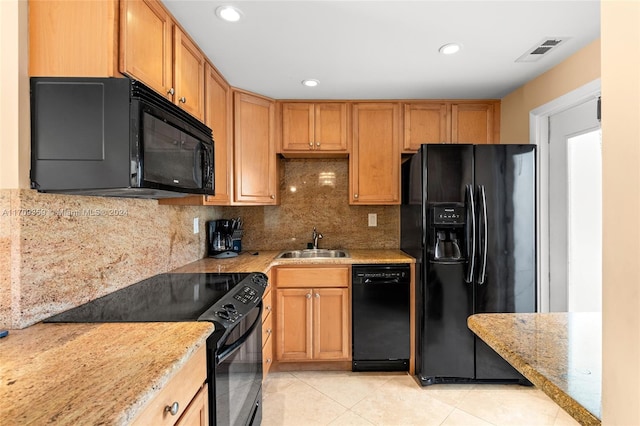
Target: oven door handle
(225, 351)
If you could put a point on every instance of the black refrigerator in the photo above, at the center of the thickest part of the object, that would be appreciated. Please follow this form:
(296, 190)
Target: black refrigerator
(468, 216)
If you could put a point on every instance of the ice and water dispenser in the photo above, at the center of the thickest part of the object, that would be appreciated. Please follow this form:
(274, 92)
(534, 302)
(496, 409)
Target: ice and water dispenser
(447, 232)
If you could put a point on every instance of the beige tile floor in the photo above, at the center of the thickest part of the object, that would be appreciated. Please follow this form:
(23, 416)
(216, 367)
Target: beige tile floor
(304, 398)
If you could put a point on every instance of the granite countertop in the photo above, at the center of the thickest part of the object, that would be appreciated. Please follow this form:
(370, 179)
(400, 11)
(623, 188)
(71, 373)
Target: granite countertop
(560, 353)
(264, 260)
(72, 374)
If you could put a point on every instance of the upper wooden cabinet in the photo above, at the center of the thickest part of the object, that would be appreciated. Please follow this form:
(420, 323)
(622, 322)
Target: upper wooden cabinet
(155, 50)
(146, 44)
(374, 163)
(450, 122)
(73, 38)
(424, 123)
(475, 122)
(255, 163)
(314, 128)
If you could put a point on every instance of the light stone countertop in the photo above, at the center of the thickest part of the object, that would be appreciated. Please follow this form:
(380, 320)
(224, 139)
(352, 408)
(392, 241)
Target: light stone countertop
(264, 260)
(89, 374)
(560, 353)
(70, 374)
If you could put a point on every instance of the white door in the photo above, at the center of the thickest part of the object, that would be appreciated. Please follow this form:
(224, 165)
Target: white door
(575, 209)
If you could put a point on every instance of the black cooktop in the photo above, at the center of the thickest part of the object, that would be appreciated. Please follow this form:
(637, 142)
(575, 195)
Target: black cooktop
(161, 298)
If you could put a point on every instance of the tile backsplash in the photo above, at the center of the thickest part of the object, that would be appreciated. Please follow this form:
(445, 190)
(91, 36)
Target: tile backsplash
(59, 251)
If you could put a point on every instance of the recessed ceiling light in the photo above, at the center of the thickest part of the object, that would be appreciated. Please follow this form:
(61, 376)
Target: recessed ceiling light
(310, 82)
(450, 48)
(229, 13)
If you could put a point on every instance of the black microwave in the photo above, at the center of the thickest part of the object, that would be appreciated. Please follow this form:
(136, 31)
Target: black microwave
(115, 137)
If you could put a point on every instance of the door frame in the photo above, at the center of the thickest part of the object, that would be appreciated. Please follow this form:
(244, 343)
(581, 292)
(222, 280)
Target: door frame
(539, 135)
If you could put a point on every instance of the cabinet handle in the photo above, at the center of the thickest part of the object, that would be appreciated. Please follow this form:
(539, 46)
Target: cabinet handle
(173, 408)
(171, 91)
(183, 100)
(308, 295)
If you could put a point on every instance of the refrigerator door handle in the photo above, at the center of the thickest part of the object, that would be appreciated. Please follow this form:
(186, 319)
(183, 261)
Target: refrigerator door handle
(483, 236)
(471, 233)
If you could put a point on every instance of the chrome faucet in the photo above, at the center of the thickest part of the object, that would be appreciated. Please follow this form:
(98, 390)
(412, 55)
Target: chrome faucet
(315, 236)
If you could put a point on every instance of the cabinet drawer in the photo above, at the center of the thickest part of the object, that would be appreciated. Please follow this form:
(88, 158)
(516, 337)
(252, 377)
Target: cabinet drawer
(312, 277)
(267, 302)
(267, 329)
(181, 389)
(267, 357)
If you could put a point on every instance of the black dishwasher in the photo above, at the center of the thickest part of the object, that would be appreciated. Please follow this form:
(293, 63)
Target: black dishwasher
(380, 317)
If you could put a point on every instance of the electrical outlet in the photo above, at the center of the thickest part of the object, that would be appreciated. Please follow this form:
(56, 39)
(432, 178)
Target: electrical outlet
(196, 225)
(373, 219)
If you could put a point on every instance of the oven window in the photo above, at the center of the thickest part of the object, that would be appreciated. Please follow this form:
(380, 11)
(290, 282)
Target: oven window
(238, 377)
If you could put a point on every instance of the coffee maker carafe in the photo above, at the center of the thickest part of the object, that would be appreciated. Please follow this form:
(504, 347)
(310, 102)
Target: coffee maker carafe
(223, 237)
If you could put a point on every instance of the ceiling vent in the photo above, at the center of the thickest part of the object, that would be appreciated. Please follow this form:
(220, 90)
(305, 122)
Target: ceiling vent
(542, 48)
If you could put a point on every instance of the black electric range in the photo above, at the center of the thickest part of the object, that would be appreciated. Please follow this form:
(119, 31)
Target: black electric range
(232, 301)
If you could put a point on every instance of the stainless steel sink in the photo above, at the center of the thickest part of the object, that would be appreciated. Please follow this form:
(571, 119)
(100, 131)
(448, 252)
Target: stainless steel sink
(312, 254)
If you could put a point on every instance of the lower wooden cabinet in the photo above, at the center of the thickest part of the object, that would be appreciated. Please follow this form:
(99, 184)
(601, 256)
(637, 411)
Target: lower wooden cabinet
(267, 332)
(186, 393)
(313, 314)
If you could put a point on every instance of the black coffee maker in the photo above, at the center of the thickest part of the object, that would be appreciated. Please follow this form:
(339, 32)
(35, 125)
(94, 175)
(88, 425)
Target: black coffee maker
(224, 238)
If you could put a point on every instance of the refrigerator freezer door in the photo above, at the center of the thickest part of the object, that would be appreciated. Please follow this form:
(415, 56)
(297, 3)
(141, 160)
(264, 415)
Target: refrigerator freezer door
(507, 174)
(447, 345)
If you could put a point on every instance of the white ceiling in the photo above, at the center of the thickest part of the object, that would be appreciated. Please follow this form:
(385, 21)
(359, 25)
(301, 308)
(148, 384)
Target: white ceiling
(386, 49)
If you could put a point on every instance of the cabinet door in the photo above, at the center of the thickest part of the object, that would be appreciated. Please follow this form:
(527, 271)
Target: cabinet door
(146, 46)
(297, 126)
(293, 324)
(254, 146)
(69, 39)
(472, 123)
(218, 117)
(374, 163)
(331, 323)
(197, 413)
(331, 127)
(188, 78)
(424, 123)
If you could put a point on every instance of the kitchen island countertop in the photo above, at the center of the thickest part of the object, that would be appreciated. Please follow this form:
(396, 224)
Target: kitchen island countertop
(560, 353)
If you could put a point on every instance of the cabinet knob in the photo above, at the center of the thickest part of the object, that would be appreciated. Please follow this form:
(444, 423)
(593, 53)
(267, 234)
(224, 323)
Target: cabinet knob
(317, 295)
(183, 100)
(273, 197)
(308, 295)
(317, 143)
(268, 308)
(268, 360)
(171, 91)
(173, 408)
(355, 196)
(311, 144)
(268, 331)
